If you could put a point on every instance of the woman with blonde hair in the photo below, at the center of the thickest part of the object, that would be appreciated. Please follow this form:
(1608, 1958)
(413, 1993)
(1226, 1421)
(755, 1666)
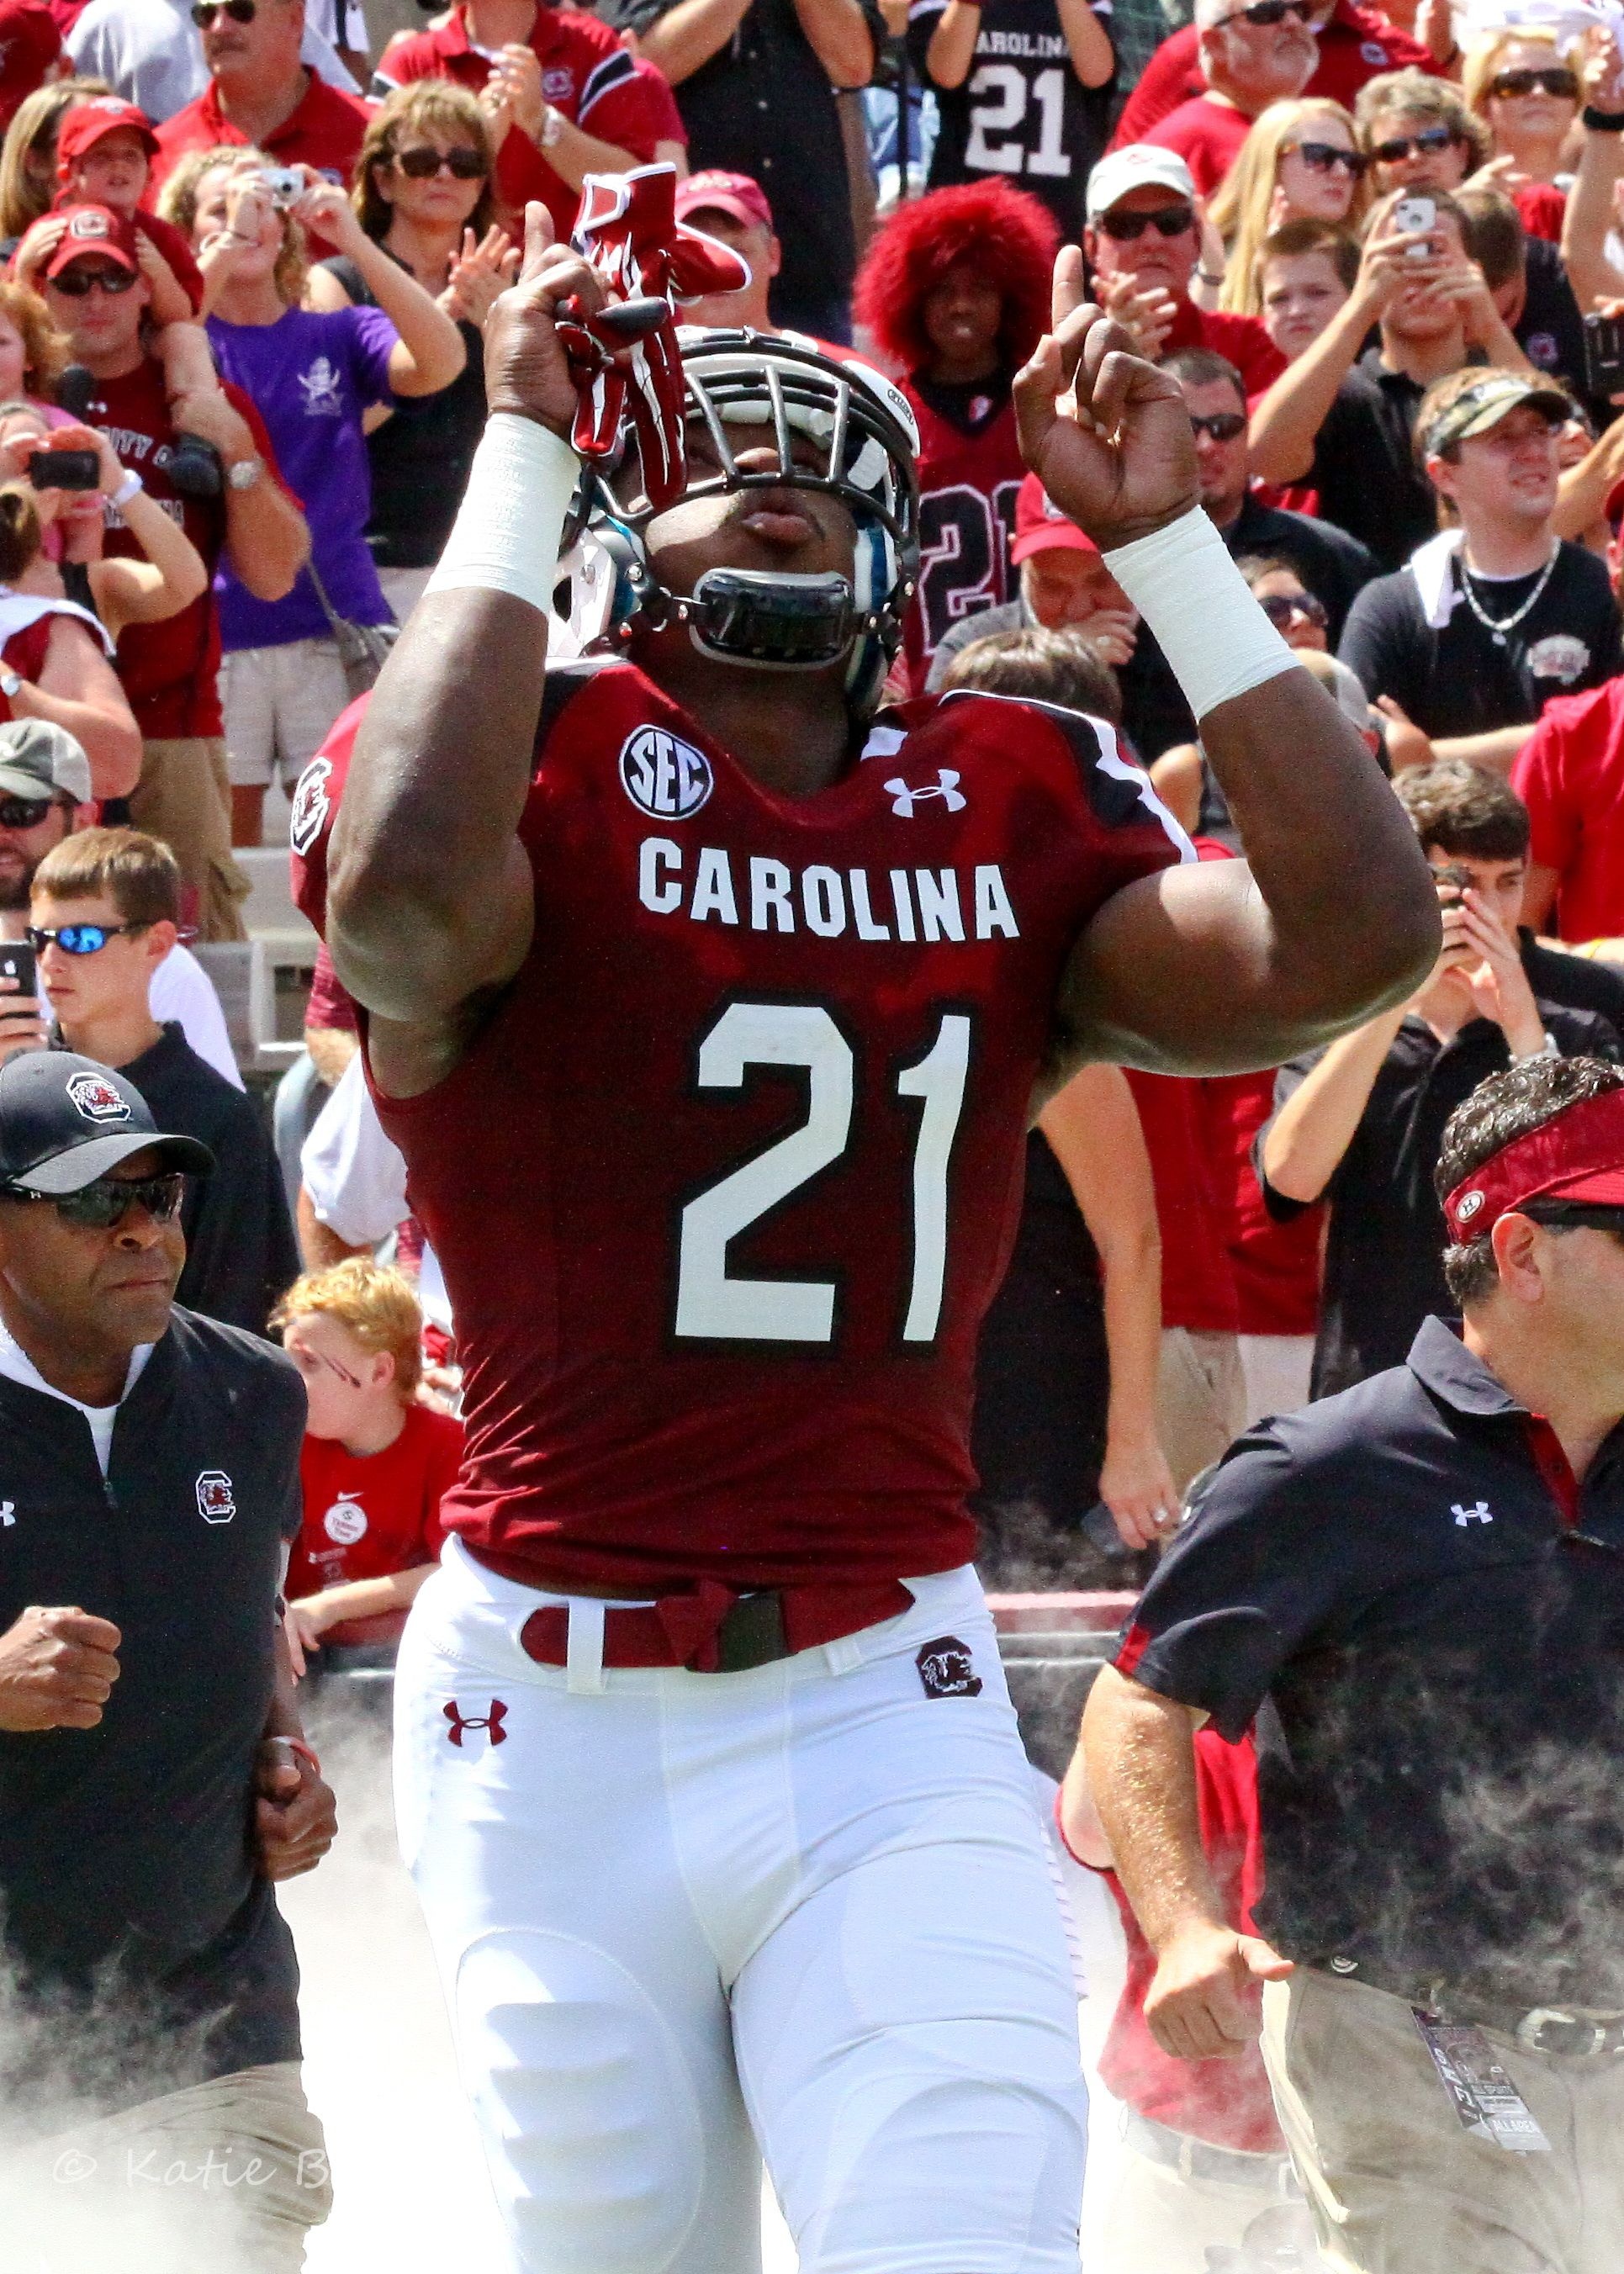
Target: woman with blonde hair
(423, 192)
(29, 159)
(312, 375)
(1301, 161)
(1523, 83)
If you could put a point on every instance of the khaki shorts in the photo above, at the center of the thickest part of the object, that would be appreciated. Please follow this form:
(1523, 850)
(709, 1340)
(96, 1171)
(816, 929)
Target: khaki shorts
(228, 2177)
(1200, 1399)
(183, 797)
(1396, 2183)
(279, 703)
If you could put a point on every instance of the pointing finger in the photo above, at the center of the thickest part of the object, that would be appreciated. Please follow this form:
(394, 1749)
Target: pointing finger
(540, 236)
(1068, 287)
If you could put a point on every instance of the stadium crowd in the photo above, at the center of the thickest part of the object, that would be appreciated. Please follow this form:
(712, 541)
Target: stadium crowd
(252, 248)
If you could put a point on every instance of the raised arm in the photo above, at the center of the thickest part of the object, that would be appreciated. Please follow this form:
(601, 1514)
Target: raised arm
(1287, 421)
(1218, 967)
(429, 905)
(688, 35)
(1093, 59)
(1588, 219)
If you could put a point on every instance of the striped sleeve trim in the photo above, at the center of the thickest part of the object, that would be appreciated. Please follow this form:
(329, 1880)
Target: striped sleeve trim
(617, 70)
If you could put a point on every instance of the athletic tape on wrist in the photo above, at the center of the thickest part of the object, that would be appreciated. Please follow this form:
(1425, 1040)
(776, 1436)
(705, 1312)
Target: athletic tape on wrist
(506, 532)
(1213, 632)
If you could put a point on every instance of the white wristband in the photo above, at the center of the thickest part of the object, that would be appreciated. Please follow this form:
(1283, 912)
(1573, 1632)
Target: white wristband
(506, 535)
(1213, 632)
(130, 486)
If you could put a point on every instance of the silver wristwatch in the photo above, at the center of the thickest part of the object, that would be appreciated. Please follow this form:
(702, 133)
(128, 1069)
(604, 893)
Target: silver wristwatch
(11, 682)
(553, 124)
(245, 473)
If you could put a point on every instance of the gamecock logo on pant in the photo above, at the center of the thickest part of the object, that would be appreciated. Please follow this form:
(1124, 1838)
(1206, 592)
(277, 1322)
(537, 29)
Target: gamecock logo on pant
(491, 1721)
(947, 1669)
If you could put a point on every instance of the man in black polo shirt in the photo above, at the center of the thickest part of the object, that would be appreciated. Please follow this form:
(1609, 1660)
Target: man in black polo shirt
(154, 1780)
(1416, 1590)
(1340, 421)
(1495, 616)
(1334, 567)
(1359, 1123)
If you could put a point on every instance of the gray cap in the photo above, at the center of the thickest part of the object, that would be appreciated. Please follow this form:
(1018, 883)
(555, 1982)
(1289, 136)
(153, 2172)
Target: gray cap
(40, 760)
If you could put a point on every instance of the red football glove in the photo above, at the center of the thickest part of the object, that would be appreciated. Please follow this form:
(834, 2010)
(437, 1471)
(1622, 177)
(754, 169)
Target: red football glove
(649, 262)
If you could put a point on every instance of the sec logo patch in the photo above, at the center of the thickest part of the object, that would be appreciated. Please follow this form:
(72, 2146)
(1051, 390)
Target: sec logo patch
(665, 777)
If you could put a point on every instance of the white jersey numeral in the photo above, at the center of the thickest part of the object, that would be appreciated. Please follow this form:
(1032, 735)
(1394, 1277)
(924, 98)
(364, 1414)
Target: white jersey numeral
(999, 96)
(715, 1305)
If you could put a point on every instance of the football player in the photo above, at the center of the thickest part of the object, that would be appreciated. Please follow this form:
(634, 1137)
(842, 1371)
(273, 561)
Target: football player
(709, 1011)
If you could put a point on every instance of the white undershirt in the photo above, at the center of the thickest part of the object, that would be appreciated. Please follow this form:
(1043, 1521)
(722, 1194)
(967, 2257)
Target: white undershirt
(17, 1365)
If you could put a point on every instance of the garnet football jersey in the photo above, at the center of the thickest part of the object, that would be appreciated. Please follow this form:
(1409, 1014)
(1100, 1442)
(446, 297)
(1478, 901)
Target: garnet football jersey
(724, 1186)
(968, 484)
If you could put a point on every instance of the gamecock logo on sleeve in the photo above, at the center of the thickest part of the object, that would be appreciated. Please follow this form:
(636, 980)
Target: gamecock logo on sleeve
(216, 1497)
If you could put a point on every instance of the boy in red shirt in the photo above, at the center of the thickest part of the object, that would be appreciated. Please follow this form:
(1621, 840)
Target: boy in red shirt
(375, 1463)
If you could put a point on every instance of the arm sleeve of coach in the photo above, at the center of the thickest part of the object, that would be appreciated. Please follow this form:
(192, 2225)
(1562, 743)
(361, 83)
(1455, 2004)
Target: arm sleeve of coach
(1249, 1580)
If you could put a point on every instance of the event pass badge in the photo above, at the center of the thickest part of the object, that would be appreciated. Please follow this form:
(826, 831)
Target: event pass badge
(1485, 2099)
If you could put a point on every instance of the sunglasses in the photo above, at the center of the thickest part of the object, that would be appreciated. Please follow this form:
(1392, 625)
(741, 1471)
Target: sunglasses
(1283, 608)
(80, 938)
(99, 1205)
(1167, 221)
(1221, 426)
(1426, 145)
(464, 163)
(1265, 13)
(240, 12)
(1326, 157)
(1558, 80)
(75, 283)
(24, 812)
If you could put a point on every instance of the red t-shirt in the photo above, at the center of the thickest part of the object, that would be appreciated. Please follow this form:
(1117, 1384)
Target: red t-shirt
(324, 131)
(1227, 2103)
(723, 1189)
(169, 670)
(1353, 46)
(585, 73)
(1241, 339)
(367, 1516)
(967, 487)
(1276, 1266)
(1187, 1135)
(1207, 135)
(1570, 776)
(1541, 206)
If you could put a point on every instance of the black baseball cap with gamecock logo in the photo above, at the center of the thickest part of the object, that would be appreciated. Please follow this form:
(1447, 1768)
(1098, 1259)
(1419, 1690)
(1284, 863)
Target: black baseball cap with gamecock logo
(65, 1121)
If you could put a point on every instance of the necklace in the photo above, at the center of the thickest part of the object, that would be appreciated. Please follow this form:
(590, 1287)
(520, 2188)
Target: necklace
(1497, 628)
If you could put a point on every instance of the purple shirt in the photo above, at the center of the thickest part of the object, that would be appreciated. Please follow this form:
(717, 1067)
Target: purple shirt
(310, 377)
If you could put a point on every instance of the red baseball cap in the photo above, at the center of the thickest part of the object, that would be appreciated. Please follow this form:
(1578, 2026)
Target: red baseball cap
(723, 193)
(1041, 526)
(95, 229)
(90, 123)
(1578, 1155)
(30, 43)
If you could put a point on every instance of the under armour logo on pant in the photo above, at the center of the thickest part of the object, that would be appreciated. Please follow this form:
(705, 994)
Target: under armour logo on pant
(904, 799)
(491, 1721)
(1465, 1515)
(8, 1514)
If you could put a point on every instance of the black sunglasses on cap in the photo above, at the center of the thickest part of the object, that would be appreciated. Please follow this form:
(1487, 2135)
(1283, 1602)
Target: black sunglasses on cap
(1325, 157)
(1128, 228)
(465, 163)
(106, 1201)
(1221, 426)
(1428, 144)
(240, 12)
(1558, 80)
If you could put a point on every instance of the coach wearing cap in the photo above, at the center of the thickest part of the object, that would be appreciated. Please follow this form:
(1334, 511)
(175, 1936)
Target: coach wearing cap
(154, 1780)
(1416, 1590)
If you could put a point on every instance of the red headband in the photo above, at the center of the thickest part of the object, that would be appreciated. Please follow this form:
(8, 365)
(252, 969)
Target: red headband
(1578, 1155)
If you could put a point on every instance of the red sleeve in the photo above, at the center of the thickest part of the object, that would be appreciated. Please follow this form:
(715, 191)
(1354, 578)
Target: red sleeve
(1168, 78)
(1541, 779)
(173, 244)
(407, 56)
(617, 106)
(331, 1007)
(246, 408)
(315, 800)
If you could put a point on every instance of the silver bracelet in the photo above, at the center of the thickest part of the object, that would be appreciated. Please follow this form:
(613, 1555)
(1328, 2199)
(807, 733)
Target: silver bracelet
(130, 486)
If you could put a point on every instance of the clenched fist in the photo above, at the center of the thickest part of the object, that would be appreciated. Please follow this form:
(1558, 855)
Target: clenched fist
(526, 369)
(57, 1668)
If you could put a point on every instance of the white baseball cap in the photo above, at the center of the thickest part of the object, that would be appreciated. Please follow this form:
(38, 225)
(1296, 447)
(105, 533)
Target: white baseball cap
(1137, 165)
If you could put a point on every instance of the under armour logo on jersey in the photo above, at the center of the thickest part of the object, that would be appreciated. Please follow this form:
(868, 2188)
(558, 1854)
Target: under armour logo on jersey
(1465, 1515)
(491, 1721)
(8, 1514)
(947, 1669)
(904, 798)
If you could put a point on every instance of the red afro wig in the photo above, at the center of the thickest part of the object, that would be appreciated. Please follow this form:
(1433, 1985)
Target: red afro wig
(1009, 235)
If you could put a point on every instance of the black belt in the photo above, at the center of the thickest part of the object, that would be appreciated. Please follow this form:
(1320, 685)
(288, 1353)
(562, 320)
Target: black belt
(1578, 2032)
